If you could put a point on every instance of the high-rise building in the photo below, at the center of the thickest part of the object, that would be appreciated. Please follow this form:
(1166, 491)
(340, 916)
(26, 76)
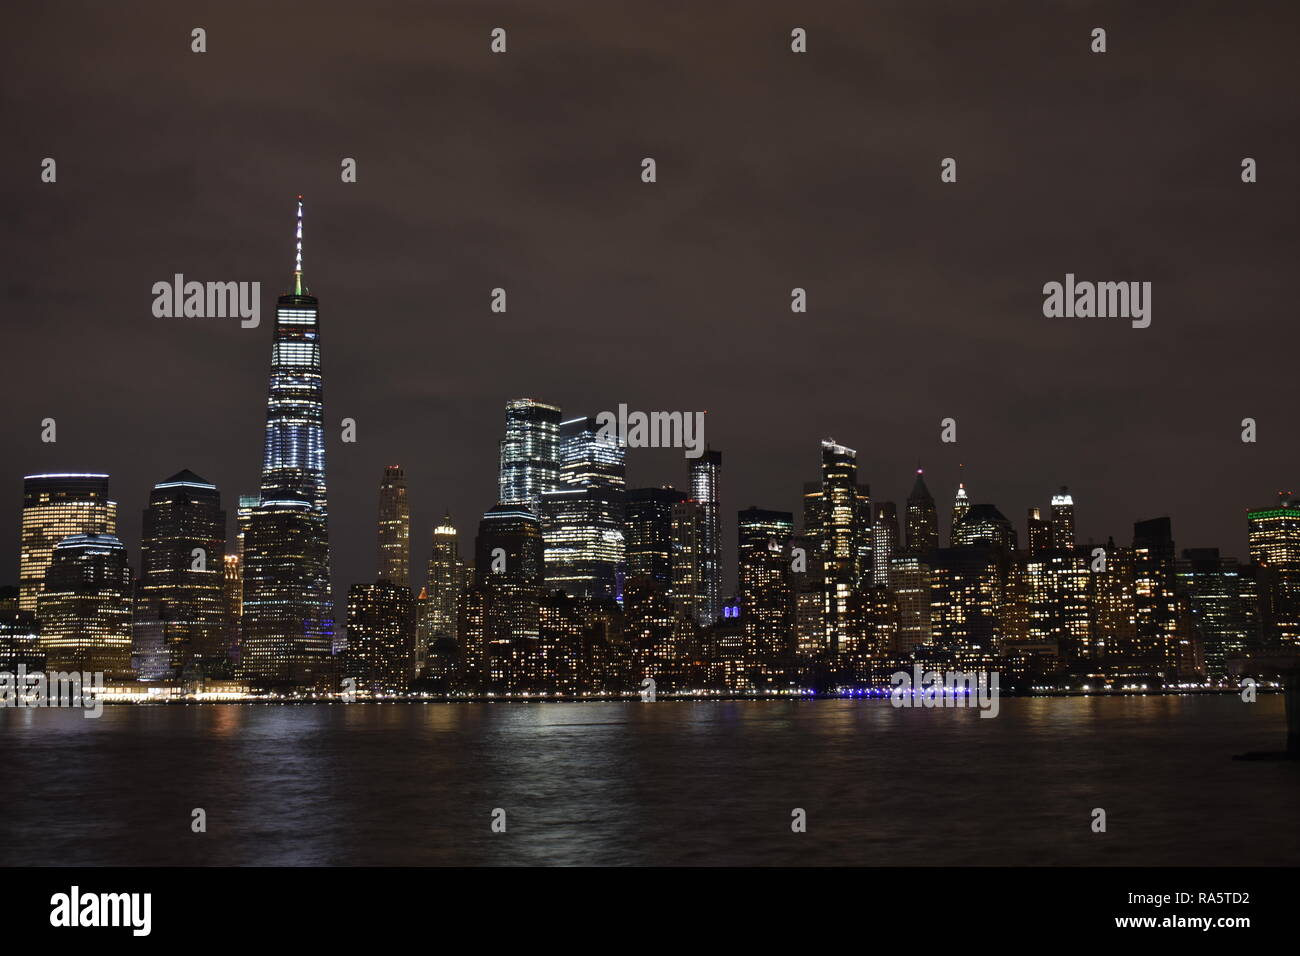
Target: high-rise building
(984, 524)
(85, 607)
(960, 505)
(20, 635)
(1223, 621)
(1155, 597)
(921, 522)
(1274, 536)
(1063, 519)
(842, 529)
(909, 579)
(56, 506)
(1039, 532)
(767, 608)
(689, 595)
(499, 627)
(582, 519)
(288, 625)
(886, 540)
(380, 653)
(648, 532)
(530, 453)
(706, 480)
(180, 626)
(446, 581)
(394, 528)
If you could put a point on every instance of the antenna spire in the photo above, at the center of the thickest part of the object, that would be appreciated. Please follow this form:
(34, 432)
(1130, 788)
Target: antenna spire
(297, 265)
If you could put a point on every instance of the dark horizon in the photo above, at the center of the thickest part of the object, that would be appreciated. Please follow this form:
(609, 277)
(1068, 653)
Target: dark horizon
(775, 171)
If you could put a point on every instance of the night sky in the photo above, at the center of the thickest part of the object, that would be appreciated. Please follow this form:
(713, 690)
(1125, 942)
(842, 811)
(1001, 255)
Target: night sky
(775, 170)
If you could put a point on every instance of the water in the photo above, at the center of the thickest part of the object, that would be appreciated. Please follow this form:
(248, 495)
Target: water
(662, 783)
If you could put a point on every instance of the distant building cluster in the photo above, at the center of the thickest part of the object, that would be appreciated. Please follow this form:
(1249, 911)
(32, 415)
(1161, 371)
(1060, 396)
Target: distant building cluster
(580, 585)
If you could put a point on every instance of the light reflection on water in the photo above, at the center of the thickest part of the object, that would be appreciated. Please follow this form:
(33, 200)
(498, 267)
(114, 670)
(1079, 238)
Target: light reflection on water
(709, 782)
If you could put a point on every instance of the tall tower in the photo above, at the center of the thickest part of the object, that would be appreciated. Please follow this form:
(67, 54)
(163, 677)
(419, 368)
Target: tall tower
(922, 522)
(56, 506)
(886, 541)
(960, 506)
(85, 606)
(763, 549)
(446, 581)
(706, 478)
(841, 533)
(394, 528)
(582, 518)
(530, 453)
(1275, 545)
(288, 611)
(1062, 520)
(180, 626)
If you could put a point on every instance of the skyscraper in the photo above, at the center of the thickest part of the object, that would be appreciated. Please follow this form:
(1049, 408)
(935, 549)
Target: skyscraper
(1275, 545)
(381, 642)
(884, 532)
(500, 630)
(1155, 597)
(446, 581)
(394, 528)
(180, 625)
(56, 506)
(85, 607)
(530, 453)
(844, 524)
(922, 523)
(960, 505)
(706, 479)
(648, 532)
(582, 518)
(1222, 620)
(288, 611)
(767, 607)
(1062, 519)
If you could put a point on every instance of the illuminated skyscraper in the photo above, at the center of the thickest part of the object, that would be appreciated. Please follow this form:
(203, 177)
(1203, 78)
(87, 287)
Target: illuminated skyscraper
(922, 522)
(689, 533)
(648, 532)
(1155, 596)
(1063, 519)
(501, 631)
(530, 453)
(180, 626)
(56, 506)
(1223, 621)
(886, 541)
(767, 607)
(960, 505)
(85, 607)
(394, 528)
(1275, 545)
(706, 480)
(1039, 531)
(288, 611)
(841, 532)
(582, 519)
(380, 654)
(446, 581)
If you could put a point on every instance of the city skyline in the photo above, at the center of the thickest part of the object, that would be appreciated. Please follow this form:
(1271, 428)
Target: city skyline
(672, 295)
